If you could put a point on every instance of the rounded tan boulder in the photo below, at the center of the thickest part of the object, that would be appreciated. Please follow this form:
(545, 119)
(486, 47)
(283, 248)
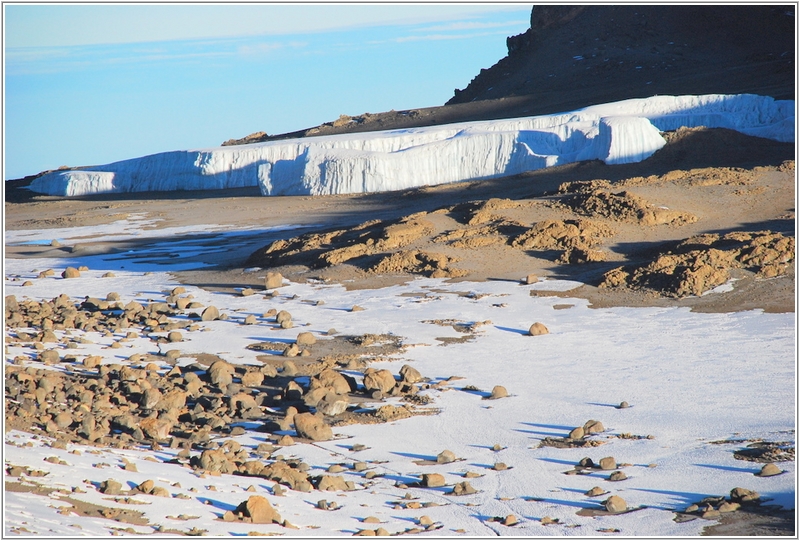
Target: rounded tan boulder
(615, 504)
(379, 380)
(259, 510)
(312, 427)
(537, 329)
(273, 280)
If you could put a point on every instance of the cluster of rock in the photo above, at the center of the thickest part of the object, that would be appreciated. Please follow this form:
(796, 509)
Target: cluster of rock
(704, 262)
(109, 315)
(713, 507)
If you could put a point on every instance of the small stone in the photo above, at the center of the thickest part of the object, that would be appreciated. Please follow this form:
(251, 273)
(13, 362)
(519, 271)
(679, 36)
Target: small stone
(617, 476)
(356, 308)
(286, 440)
(608, 463)
(174, 336)
(615, 504)
(596, 491)
(623, 405)
(432, 480)
(335, 468)
(537, 329)
(111, 487)
(425, 520)
(586, 462)
(246, 292)
(739, 494)
(711, 514)
(499, 466)
(593, 427)
(259, 510)
(210, 314)
(312, 427)
(371, 520)
(410, 374)
(250, 320)
(769, 470)
(728, 507)
(71, 272)
(446, 457)
(547, 520)
(510, 520)
(273, 280)
(498, 391)
(577, 433)
(109, 275)
(305, 339)
(463, 488)
(531, 279)
(146, 487)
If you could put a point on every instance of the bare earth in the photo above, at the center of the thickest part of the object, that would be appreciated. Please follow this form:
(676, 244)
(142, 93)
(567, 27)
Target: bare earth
(580, 221)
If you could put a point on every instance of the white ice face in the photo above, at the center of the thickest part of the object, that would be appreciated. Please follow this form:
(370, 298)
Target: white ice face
(616, 133)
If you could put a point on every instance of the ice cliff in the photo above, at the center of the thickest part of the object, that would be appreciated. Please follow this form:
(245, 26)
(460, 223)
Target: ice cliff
(620, 132)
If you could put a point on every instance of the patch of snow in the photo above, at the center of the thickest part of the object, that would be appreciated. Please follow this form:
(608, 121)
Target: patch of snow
(616, 133)
(691, 378)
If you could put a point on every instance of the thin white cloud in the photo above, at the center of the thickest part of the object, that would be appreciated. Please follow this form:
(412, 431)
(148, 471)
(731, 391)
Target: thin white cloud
(471, 25)
(438, 37)
(54, 25)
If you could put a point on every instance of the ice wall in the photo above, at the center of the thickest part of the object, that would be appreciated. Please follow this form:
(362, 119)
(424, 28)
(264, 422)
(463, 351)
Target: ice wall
(620, 132)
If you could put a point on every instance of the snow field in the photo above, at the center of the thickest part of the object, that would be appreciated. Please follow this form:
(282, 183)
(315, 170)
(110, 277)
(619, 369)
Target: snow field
(690, 379)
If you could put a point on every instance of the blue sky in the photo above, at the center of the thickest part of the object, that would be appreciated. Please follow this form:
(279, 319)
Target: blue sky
(94, 84)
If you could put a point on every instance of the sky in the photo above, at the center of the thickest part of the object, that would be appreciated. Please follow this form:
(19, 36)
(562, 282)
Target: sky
(93, 84)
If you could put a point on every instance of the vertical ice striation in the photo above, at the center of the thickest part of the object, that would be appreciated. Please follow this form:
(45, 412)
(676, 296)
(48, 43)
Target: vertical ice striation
(616, 133)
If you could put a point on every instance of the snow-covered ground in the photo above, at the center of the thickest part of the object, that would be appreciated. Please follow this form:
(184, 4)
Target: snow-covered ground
(621, 132)
(690, 379)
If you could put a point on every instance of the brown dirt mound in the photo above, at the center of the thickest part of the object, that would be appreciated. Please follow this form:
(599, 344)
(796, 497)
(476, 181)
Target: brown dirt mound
(703, 262)
(335, 247)
(576, 238)
(416, 262)
(624, 206)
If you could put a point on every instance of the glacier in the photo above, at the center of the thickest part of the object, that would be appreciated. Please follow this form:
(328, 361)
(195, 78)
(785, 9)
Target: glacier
(616, 133)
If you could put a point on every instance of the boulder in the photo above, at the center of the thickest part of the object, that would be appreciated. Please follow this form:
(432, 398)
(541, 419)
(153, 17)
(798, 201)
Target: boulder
(769, 470)
(432, 480)
(210, 314)
(273, 280)
(259, 510)
(221, 373)
(71, 272)
(305, 339)
(463, 488)
(446, 457)
(410, 374)
(312, 427)
(593, 427)
(615, 504)
(332, 404)
(577, 433)
(379, 380)
(111, 487)
(608, 463)
(331, 379)
(537, 329)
